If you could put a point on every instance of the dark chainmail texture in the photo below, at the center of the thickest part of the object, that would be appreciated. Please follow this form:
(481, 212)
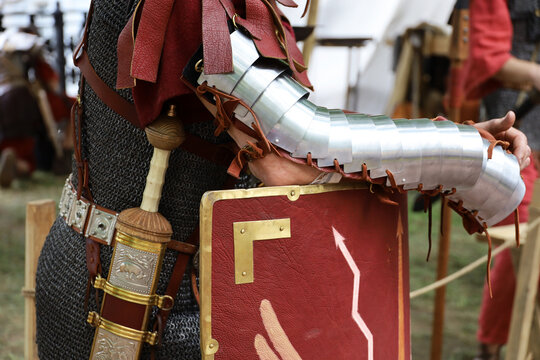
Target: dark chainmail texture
(119, 157)
(500, 101)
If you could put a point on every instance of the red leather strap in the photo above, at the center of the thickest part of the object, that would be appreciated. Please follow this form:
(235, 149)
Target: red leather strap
(174, 283)
(150, 37)
(124, 55)
(217, 50)
(109, 97)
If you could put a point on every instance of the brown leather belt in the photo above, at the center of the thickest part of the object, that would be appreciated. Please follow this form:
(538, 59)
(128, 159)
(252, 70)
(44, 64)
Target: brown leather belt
(96, 222)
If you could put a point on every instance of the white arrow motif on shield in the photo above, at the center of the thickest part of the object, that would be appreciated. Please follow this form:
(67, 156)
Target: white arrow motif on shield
(340, 243)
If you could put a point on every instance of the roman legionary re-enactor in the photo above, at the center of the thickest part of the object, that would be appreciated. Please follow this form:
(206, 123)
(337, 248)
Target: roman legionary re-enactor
(174, 96)
(504, 63)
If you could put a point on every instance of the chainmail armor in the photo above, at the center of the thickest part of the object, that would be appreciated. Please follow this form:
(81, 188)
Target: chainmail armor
(498, 102)
(119, 155)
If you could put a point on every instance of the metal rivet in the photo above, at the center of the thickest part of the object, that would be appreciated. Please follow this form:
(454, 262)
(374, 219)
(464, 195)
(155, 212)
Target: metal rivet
(242, 231)
(277, 141)
(98, 212)
(293, 192)
(244, 273)
(281, 228)
(109, 217)
(93, 233)
(211, 346)
(403, 180)
(466, 18)
(101, 226)
(465, 39)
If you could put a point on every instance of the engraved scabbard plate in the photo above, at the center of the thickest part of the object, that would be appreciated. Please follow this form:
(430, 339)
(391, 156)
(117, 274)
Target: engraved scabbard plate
(134, 268)
(244, 54)
(133, 273)
(390, 146)
(276, 100)
(450, 140)
(339, 145)
(253, 83)
(317, 136)
(292, 126)
(366, 144)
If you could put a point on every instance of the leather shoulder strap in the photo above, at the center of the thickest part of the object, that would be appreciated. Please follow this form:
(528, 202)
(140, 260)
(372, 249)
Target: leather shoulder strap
(109, 97)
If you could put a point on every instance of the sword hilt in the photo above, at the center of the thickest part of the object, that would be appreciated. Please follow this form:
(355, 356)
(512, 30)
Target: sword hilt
(165, 134)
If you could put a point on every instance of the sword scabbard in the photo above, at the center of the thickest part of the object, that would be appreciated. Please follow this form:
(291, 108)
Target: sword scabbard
(141, 238)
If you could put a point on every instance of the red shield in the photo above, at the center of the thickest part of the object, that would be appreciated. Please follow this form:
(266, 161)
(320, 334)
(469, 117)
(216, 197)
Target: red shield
(303, 272)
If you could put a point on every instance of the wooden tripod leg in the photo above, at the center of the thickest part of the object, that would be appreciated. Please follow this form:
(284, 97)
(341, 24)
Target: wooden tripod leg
(40, 216)
(534, 344)
(526, 292)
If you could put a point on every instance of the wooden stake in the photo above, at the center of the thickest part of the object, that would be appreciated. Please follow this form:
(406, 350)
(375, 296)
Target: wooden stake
(526, 292)
(309, 43)
(440, 294)
(40, 216)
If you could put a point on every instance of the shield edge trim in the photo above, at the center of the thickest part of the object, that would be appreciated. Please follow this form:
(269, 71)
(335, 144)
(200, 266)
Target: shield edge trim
(209, 345)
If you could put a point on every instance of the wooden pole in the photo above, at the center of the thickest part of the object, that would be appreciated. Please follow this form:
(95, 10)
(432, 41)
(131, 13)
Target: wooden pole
(309, 43)
(40, 216)
(440, 294)
(525, 296)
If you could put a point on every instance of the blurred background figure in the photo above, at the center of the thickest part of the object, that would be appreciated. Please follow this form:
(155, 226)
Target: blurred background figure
(503, 71)
(33, 109)
(19, 112)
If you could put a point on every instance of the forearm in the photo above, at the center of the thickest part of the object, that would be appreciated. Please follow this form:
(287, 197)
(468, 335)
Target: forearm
(519, 74)
(273, 170)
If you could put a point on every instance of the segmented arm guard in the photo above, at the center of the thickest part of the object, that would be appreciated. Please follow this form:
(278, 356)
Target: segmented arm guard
(478, 175)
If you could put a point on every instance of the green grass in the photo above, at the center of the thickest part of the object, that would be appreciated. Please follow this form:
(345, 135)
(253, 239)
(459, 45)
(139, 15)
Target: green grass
(12, 220)
(463, 296)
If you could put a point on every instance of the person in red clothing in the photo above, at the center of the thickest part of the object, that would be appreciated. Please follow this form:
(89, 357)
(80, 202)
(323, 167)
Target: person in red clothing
(502, 64)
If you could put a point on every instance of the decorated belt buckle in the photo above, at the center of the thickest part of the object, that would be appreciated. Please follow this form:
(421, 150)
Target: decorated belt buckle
(77, 216)
(101, 224)
(66, 200)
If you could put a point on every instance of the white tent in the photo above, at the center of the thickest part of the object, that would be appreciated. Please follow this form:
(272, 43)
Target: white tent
(382, 21)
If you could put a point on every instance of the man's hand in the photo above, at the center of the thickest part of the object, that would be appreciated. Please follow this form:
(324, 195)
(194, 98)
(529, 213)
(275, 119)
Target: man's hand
(502, 129)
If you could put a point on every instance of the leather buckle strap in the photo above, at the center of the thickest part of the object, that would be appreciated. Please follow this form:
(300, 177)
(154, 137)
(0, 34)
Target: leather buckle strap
(98, 223)
(109, 97)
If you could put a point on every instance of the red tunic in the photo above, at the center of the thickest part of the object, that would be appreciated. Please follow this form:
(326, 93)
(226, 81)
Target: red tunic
(490, 45)
(491, 35)
(169, 32)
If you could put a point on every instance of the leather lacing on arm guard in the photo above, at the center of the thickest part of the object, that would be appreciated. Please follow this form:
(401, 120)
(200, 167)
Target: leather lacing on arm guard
(381, 187)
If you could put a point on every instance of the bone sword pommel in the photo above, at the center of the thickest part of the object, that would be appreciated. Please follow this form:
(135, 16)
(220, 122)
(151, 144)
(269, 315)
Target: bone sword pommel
(166, 132)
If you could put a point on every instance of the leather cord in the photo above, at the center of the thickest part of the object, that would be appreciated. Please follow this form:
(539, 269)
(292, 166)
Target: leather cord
(173, 286)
